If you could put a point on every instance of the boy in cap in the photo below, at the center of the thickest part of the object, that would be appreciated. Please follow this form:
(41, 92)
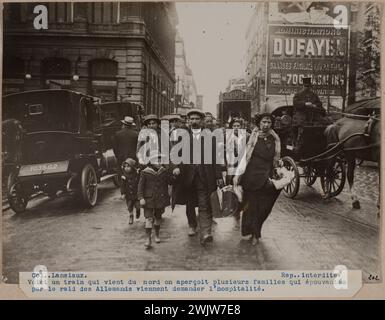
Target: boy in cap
(153, 195)
(129, 187)
(152, 132)
(175, 121)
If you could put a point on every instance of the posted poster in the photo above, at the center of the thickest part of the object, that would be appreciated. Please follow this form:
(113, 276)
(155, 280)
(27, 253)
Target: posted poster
(318, 52)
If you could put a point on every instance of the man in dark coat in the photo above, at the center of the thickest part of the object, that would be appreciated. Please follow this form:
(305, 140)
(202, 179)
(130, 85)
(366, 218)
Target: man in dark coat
(196, 182)
(306, 97)
(124, 141)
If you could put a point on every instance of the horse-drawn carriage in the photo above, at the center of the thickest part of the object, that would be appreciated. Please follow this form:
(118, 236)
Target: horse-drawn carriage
(57, 144)
(301, 130)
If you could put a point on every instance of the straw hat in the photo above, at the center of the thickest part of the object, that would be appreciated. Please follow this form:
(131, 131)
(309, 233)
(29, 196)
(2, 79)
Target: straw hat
(128, 121)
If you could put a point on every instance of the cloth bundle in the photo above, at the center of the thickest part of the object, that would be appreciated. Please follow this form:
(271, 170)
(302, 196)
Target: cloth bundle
(284, 177)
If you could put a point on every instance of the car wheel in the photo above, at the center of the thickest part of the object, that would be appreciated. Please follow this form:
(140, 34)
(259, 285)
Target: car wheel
(17, 198)
(89, 186)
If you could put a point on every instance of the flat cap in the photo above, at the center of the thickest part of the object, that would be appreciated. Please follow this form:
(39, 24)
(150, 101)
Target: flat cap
(151, 117)
(195, 111)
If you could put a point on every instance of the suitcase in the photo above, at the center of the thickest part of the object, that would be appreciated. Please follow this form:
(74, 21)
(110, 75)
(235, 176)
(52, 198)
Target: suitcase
(224, 202)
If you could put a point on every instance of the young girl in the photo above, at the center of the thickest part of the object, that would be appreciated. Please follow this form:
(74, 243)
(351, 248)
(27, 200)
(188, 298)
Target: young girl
(153, 195)
(129, 187)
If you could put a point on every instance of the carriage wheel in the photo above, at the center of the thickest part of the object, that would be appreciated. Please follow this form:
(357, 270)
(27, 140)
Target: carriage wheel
(310, 175)
(291, 190)
(16, 197)
(333, 181)
(89, 186)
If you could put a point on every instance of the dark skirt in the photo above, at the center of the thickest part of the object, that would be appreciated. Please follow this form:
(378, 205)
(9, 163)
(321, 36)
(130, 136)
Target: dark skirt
(259, 204)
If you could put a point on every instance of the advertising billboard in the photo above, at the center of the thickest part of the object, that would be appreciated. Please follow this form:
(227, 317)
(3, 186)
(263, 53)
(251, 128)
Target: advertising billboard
(297, 51)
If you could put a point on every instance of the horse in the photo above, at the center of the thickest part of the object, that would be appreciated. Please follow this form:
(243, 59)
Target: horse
(364, 144)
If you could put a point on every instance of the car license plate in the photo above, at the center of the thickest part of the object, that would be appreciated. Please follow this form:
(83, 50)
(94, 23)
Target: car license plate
(43, 168)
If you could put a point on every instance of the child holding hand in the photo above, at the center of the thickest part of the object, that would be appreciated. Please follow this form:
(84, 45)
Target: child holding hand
(129, 187)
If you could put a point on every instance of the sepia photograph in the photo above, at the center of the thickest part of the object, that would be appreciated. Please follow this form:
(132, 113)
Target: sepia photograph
(191, 136)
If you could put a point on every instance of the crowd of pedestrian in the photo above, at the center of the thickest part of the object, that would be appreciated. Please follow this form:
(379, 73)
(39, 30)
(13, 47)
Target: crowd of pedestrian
(151, 184)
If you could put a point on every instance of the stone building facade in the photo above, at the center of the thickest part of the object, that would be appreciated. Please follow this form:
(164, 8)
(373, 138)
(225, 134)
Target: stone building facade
(255, 36)
(186, 90)
(112, 50)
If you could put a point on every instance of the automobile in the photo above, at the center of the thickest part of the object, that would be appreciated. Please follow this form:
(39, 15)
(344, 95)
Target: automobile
(12, 133)
(110, 116)
(59, 149)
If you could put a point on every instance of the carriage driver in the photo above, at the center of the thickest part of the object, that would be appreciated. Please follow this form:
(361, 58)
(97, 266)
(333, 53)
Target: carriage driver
(306, 97)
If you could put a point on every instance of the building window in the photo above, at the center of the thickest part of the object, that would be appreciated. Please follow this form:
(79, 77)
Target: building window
(104, 12)
(159, 97)
(129, 9)
(56, 66)
(13, 74)
(152, 94)
(59, 12)
(13, 67)
(103, 80)
(80, 11)
(103, 68)
(149, 91)
(56, 73)
(145, 86)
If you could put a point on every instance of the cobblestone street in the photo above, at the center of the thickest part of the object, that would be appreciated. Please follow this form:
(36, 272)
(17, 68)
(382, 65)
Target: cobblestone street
(305, 233)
